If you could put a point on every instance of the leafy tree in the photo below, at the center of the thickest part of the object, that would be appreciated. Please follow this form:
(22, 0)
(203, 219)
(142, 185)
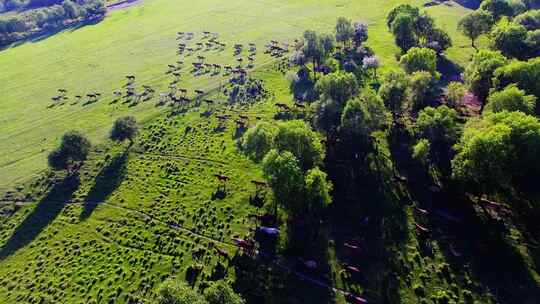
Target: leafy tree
(317, 188)
(511, 99)
(257, 141)
(421, 151)
(510, 38)
(124, 128)
(284, 175)
(530, 20)
(327, 115)
(479, 73)
(74, 147)
(393, 91)
(219, 292)
(360, 33)
(422, 89)
(344, 30)
(525, 74)
(338, 86)
(403, 9)
(297, 137)
(439, 125)
(419, 59)
(362, 116)
(174, 291)
(497, 8)
(455, 91)
(403, 29)
(498, 152)
(475, 24)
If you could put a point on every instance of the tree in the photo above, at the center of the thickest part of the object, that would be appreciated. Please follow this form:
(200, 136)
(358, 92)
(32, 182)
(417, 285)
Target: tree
(530, 20)
(393, 91)
(327, 115)
(475, 24)
(510, 39)
(174, 291)
(422, 89)
(404, 9)
(338, 86)
(497, 8)
(124, 128)
(498, 152)
(419, 59)
(525, 74)
(317, 188)
(74, 147)
(440, 126)
(257, 141)
(403, 29)
(511, 99)
(421, 151)
(455, 91)
(297, 137)
(479, 72)
(362, 116)
(284, 175)
(344, 30)
(219, 292)
(360, 33)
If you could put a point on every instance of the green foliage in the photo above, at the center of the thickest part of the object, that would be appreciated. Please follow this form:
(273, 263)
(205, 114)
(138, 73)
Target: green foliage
(498, 151)
(439, 125)
(421, 151)
(284, 175)
(257, 141)
(363, 115)
(175, 291)
(327, 115)
(479, 72)
(509, 38)
(338, 86)
(344, 30)
(497, 8)
(393, 91)
(475, 24)
(124, 128)
(525, 74)
(530, 20)
(297, 137)
(511, 99)
(419, 59)
(220, 292)
(455, 91)
(422, 89)
(317, 189)
(74, 147)
(414, 29)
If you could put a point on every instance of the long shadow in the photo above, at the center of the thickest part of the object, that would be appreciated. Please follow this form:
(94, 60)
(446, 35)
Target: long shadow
(108, 180)
(42, 215)
(450, 71)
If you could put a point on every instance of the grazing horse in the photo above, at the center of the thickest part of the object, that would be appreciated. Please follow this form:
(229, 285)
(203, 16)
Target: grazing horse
(355, 299)
(222, 178)
(352, 249)
(222, 253)
(283, 107)
(421, 229)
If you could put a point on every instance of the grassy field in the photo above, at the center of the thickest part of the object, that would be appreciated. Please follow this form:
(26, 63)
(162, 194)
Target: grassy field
(137, 215)
(140, 40)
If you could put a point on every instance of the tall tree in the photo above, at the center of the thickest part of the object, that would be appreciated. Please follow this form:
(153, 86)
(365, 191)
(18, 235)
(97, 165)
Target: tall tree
(124, 128)
(74, 147)
(475, 24)
(419, 59)
(344, 30)
(393, 91)
(479, 72)
(297, 137)
(511, 99)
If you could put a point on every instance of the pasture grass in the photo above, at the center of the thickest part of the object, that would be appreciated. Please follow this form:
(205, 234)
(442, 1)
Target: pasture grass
(140, 40)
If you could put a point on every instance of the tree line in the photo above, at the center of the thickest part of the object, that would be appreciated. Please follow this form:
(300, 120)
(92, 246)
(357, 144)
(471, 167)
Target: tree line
(37, 17)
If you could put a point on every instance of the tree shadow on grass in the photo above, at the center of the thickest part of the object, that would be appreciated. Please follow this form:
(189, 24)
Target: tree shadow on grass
(42, 215)
(108, 180)
(450, 71)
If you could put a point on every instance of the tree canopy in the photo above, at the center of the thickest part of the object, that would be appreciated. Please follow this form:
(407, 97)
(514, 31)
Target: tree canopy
(511, 99)
(475, 24)
(74, 147)
(257, 141)
(340, 86)
(298, 138)
(419, 59)
(479, 72)
(219, 292)
(498, 151)
(124, 128)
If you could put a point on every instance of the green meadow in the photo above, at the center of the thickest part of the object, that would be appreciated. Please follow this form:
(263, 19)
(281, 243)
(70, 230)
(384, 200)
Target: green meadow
(140, 40)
